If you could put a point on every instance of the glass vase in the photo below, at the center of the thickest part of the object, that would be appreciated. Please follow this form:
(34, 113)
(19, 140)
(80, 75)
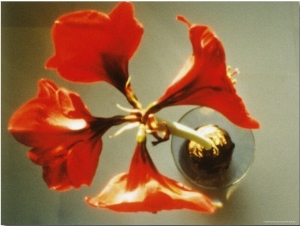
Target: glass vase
(242, 158)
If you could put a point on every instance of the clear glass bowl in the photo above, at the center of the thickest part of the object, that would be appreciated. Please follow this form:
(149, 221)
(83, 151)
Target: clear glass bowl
(242, 158)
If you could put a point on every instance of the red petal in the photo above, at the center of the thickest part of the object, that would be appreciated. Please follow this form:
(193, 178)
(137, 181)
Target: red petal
(83, 162)
(203, 81)
(47, 89)
(71, 105)
(126, 28)
(66, 139)
(144, 189)
(229, 105)
(91, 46)
(45, 116)
(29, 124)
(56, 177)
(71, 163)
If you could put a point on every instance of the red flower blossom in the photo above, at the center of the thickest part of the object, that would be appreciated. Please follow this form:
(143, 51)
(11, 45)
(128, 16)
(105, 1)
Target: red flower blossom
(145, 189)
(91, 46)
(65, 138)
(204, 80)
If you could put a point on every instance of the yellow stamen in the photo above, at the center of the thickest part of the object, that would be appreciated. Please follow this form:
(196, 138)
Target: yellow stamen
(231, 74)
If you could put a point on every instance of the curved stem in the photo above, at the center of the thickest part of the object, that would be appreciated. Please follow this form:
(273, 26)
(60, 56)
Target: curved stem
(141, 134)
(131, 97)
(186, 132)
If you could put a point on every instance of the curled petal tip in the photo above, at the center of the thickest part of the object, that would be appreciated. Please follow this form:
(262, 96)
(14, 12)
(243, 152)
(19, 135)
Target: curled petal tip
(51, 63)
(184, 20)
(255, 124)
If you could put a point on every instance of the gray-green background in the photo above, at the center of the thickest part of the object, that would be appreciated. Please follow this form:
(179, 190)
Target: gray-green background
(261, 39)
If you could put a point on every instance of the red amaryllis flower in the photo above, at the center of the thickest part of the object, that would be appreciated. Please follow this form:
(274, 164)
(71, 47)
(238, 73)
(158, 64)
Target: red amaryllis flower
(91, 46)
(65, 138)
(204, 80)
(145, 189)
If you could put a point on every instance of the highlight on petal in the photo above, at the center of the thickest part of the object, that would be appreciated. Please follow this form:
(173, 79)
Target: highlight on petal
(91, 46)
(65, 138)
(204, 80)
(143, 188)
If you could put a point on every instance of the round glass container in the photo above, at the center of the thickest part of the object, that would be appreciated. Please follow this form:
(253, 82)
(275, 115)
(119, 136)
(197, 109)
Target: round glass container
(242, 157)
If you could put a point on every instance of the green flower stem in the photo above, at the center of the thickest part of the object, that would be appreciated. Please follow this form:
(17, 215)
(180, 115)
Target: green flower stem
(178, 129)
(141, 134)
